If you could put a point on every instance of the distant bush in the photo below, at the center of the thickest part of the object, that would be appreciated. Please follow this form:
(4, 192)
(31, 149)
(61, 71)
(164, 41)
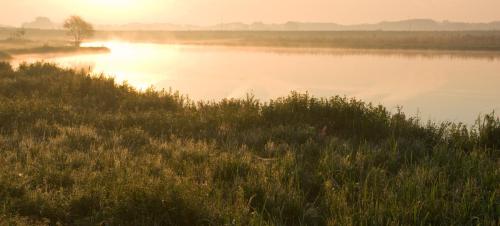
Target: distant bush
(4, 56)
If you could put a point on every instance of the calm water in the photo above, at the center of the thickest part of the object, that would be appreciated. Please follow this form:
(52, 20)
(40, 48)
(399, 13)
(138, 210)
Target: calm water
(434, 86)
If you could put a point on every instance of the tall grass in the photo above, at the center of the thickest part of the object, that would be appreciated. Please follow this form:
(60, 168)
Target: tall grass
(81, 150)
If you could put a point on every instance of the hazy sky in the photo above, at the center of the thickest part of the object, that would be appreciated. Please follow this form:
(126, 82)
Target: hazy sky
(204, 12)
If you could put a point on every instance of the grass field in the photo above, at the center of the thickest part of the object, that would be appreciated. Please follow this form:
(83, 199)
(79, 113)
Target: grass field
(407, 40)
(81, 150)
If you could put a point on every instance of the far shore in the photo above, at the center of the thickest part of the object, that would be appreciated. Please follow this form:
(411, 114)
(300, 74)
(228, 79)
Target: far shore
(466, 44)
(55, 49)
(486, 41)
(9, 49)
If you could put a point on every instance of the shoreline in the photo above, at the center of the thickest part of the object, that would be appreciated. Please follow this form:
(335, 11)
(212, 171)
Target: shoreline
(51, 49)
(423, 53)
(9, 54)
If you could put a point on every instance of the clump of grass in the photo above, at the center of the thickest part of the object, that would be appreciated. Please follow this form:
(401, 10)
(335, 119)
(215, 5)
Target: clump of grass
(77, 149)
(489, 131)
(134, 138)
(78, 139)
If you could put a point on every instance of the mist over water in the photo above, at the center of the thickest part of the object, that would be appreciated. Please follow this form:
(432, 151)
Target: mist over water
(434, 86)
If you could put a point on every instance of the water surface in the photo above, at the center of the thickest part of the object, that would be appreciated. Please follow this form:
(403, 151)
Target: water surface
(435, 85)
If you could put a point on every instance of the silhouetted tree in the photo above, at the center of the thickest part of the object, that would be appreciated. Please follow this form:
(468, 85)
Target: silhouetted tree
(79, 29)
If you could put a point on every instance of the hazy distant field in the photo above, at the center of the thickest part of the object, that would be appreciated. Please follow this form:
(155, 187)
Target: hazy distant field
(446, 40)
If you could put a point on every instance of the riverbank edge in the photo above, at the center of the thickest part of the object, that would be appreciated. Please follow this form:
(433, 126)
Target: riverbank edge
(51, 49)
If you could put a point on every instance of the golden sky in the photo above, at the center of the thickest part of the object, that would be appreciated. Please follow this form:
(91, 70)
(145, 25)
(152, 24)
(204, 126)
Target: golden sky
(206, 12)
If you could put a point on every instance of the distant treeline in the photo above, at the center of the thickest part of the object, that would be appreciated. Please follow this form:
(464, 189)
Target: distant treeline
(82, 150)
(403, 25)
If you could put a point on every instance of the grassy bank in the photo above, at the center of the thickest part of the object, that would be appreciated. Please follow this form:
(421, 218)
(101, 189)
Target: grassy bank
(9, 48)
(406, 40)
(57, 50)
(80, 150)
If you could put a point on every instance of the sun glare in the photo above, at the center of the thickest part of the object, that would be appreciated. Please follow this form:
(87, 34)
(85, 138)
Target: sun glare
(115, 4)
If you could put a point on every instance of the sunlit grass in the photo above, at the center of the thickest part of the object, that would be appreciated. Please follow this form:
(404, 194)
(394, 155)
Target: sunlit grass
(81, 150)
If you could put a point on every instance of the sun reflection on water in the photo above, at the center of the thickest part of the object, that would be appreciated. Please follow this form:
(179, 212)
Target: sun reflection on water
(444, 88)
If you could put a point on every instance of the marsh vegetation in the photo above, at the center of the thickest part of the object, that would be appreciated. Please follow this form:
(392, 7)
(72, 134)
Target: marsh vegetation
(77, 149)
